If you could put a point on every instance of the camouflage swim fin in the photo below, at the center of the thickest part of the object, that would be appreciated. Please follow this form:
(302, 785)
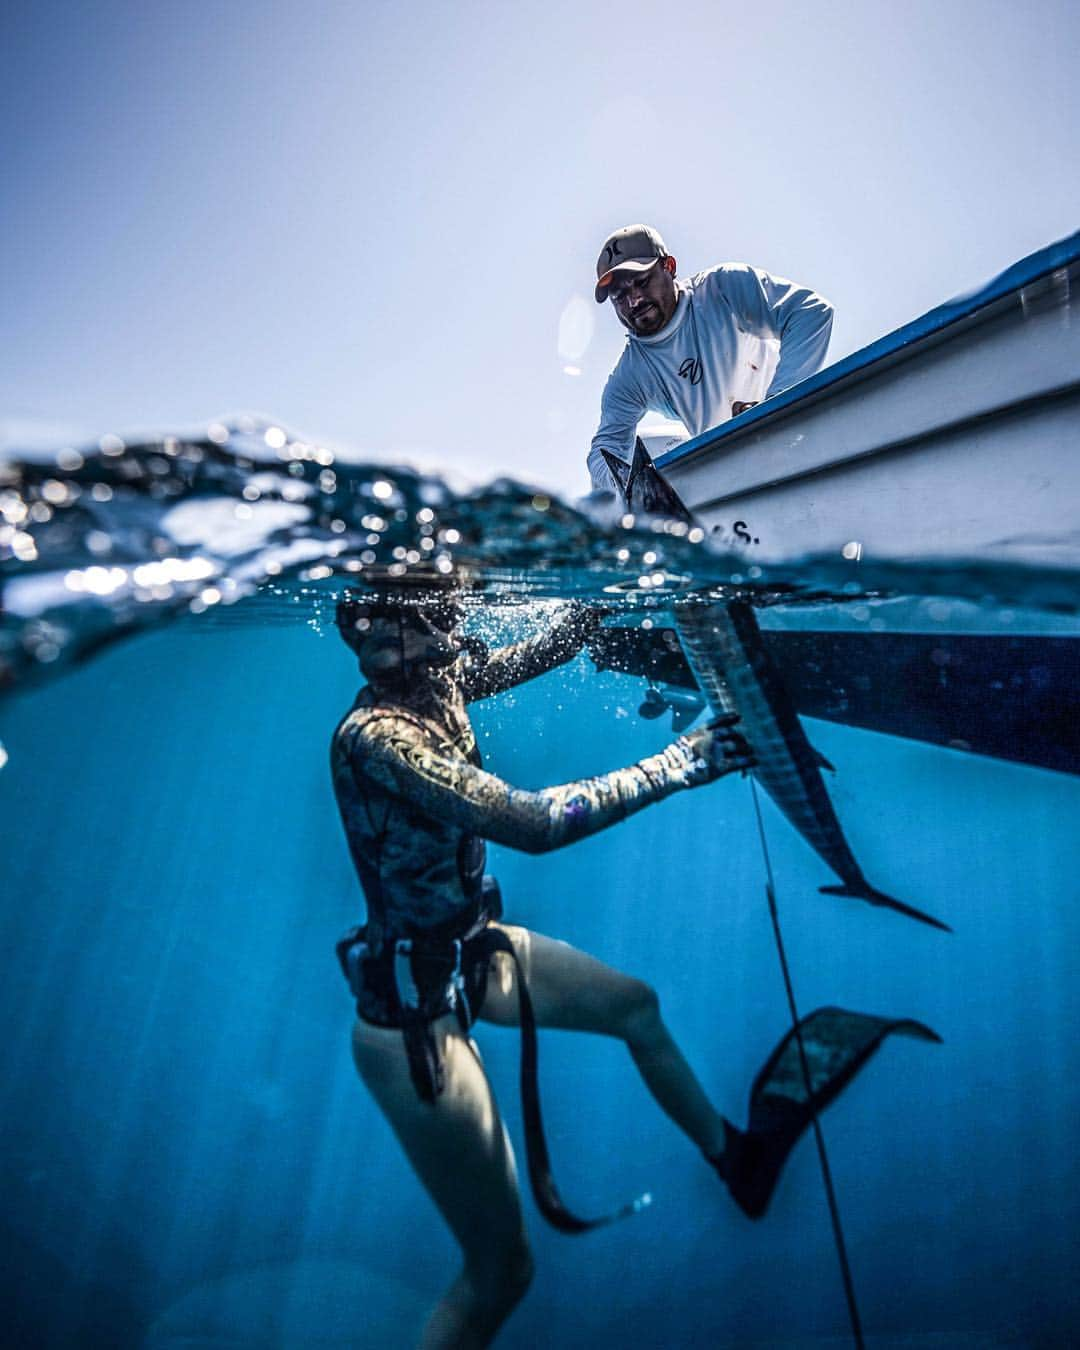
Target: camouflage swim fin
(837, 1044)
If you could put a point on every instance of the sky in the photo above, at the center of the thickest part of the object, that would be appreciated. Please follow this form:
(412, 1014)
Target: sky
(378, 223)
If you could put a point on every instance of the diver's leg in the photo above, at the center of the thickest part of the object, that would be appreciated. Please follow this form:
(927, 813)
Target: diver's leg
(575, 992)
(460, 1151)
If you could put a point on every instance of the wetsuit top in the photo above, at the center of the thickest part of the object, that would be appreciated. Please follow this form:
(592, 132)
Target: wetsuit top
(416, 803)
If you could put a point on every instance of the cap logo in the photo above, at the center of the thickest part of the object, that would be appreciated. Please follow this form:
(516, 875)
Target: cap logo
(612, 251)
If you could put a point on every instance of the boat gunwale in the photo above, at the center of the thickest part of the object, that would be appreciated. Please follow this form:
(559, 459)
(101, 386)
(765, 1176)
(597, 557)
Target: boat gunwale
(1013, 408)
(935, 326)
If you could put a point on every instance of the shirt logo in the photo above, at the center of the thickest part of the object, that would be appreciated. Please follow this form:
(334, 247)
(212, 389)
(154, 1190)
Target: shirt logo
(691, 370)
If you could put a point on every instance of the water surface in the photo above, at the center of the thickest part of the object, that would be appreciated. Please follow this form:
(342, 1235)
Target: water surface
(187, 1155)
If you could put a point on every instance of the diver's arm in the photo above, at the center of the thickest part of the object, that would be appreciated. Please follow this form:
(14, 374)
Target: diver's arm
(393, 754)
(507, 666)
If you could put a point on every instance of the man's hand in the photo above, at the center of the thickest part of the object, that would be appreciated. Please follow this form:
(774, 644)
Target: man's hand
(720, 748)
(738, 407)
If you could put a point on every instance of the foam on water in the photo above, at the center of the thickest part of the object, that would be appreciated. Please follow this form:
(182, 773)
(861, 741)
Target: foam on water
(105, 541)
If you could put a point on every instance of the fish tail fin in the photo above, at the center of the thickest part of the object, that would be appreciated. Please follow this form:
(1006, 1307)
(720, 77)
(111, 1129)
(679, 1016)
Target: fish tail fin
(875, 897)
(643, 488)
(619, 470)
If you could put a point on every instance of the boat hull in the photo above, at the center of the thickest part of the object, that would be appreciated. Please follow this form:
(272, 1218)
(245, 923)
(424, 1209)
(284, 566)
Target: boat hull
(958, 436)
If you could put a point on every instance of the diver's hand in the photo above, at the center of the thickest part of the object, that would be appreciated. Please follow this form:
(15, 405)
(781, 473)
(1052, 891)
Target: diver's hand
(585, 620)
(719, 749)
(590, 617)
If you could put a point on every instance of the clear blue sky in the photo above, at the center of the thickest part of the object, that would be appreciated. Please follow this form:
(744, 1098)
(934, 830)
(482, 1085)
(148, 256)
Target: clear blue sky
(367, 219)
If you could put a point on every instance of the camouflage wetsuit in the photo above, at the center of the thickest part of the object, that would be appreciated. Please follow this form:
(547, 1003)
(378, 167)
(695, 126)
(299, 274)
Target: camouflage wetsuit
(417, 805)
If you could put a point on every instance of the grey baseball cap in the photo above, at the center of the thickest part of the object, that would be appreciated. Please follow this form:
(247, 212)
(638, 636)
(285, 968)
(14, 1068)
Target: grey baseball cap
(634, 248)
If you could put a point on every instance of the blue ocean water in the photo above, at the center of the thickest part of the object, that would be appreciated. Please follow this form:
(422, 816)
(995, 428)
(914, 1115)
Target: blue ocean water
(188, 1157)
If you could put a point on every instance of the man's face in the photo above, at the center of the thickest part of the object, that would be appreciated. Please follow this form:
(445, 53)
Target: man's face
(645, 301)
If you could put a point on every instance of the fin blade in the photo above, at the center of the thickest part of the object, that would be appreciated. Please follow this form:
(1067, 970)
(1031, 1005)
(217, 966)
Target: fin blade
(918, 1031)
(844, 1040)
(875, 897)
(783, 1101)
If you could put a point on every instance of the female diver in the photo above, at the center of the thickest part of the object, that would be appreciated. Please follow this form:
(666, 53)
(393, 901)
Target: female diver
(433, 957)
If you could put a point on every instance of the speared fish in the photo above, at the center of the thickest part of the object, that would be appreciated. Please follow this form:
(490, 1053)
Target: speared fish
(732, 666)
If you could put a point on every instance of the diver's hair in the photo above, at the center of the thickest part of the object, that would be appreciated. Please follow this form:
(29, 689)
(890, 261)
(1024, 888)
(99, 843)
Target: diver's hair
(357, 610)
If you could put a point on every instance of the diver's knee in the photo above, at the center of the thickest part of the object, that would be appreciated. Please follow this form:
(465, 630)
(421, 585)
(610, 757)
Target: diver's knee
(520, 1274)
(516, 1271)
(642, 1017)
(507, 1278)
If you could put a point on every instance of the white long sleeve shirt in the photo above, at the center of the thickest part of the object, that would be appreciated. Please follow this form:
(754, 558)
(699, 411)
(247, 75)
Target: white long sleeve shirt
(719, 348)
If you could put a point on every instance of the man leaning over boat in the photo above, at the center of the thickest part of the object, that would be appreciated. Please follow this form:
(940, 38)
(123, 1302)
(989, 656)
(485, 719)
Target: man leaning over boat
(699, 349)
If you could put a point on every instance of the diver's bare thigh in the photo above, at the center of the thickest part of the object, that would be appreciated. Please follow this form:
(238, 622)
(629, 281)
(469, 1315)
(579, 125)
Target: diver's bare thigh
(570, 989)
(457, 1146)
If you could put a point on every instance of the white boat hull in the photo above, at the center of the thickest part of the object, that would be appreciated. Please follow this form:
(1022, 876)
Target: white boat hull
(958, 436)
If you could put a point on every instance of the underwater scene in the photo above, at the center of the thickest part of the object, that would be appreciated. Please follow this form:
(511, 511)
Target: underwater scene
(189, 1158)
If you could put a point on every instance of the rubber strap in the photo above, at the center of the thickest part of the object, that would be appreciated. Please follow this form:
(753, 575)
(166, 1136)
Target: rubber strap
(545, 1192)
